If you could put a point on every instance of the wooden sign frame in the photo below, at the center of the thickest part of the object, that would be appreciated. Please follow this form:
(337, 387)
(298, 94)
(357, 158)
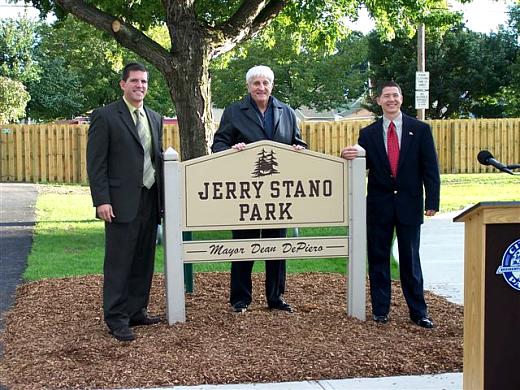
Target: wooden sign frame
(267, 185)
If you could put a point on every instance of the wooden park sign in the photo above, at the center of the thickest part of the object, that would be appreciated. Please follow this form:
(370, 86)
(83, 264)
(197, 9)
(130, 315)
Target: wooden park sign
(266, 185)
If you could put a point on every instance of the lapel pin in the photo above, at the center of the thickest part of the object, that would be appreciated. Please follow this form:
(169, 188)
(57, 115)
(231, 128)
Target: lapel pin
(410, 133)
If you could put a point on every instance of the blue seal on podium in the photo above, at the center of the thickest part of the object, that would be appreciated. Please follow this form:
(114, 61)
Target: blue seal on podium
(510, 267)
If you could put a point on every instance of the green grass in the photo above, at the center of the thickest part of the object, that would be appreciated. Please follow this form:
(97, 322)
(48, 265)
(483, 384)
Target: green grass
(459, 191)
(69, 241)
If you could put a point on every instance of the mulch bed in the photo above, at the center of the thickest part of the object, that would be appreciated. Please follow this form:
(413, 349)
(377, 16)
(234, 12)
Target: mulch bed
(55, 338)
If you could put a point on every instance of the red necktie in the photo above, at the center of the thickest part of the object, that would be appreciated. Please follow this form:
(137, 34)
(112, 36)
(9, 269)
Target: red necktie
(393, 148)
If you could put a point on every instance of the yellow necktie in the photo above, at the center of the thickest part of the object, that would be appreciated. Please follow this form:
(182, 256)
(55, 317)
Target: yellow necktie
(144, 136)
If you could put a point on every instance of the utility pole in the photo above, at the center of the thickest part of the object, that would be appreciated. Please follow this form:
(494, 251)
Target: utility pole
(421, 65)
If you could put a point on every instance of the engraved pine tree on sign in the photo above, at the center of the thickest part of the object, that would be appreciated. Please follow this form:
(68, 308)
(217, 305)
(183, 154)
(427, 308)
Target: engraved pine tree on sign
(265, 165)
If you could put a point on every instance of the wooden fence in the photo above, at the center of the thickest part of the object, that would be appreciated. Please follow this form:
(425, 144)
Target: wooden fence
(457, 141)
(56, 153)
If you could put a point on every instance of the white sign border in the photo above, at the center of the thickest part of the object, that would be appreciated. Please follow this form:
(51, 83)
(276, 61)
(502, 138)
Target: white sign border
(173, 240)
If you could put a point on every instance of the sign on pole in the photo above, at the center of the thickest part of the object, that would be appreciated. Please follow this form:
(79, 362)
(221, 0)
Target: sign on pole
(422, 85)
(422, 99)
(422, 81)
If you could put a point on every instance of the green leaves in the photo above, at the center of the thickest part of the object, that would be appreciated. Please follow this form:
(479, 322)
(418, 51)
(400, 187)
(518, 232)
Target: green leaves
(467, 70)
(13, 99)
(17, 40)
(305, 74)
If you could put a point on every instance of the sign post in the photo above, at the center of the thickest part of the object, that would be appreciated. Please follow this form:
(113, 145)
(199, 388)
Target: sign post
(358, 233)
(267, 185)
(173, 253)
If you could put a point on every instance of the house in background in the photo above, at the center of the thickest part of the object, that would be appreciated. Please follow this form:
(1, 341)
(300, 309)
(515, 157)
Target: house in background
(217, 114)
(355, 112)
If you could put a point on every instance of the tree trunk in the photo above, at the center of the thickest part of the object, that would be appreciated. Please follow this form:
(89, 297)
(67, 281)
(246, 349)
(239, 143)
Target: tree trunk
(190, 90)
(188, 80)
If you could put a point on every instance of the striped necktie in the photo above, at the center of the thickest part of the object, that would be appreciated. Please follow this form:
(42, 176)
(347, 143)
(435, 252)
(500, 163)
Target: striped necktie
(146, 141)
(393, 148)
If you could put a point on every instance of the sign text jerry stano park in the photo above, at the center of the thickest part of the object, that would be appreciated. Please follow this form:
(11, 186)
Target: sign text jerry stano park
(267, 185)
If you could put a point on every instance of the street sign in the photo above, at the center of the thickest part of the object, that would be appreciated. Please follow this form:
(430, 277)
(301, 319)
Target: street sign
(422, 81)
(422, 100)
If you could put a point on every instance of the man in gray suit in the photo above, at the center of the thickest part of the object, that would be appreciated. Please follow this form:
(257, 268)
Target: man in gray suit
(124, 166)
(259, 116)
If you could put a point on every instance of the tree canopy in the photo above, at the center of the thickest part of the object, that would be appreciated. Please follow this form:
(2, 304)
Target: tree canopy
(17, 41)
(509, 95)
(78, 68)
(200, 31)
(467, 70)
(71, 67)
(304, 75)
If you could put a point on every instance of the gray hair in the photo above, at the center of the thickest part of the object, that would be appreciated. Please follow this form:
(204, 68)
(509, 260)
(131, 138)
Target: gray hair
(260, 71)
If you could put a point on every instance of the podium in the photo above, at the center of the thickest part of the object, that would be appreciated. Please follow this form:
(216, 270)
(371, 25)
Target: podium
(491, 295)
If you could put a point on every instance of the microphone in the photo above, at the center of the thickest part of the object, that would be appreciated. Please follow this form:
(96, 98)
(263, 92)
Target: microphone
(486, 158)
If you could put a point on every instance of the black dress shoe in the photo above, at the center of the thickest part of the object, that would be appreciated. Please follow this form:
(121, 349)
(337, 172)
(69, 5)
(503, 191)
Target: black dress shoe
(240, 307)
(124, 333)
(148, 320)
(425, 322)
(380, 319)
(280, 305)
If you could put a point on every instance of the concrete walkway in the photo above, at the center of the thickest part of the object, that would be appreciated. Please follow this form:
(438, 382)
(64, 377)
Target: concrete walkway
(423, 382)
(17, 220)
(442, 256)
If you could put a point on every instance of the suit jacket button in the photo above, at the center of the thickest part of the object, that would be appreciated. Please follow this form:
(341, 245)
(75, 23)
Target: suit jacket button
(395, 192)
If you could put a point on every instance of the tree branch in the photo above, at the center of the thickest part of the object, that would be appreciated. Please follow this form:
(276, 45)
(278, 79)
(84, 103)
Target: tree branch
(268, 13)
(125, 34)
(246, 14)
(250, 18)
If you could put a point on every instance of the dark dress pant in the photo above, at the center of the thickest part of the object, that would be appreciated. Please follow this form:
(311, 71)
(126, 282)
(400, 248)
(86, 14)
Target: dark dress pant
(379, 242)
(129, 263)
(275, 273)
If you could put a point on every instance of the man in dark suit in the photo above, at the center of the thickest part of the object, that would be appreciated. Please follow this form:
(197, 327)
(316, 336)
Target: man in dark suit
(403, 181)
(259, 116)
(124, 168)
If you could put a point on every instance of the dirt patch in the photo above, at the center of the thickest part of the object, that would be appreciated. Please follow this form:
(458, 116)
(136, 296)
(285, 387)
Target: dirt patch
(55, 338)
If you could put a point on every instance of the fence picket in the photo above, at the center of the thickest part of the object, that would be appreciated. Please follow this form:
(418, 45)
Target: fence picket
(57, 153)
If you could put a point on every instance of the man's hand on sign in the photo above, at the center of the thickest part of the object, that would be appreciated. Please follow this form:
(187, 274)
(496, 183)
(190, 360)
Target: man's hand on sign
(351, 152)
(239, 146)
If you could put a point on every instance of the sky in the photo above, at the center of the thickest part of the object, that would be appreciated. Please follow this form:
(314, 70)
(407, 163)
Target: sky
(480, 15)
(484, 15)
